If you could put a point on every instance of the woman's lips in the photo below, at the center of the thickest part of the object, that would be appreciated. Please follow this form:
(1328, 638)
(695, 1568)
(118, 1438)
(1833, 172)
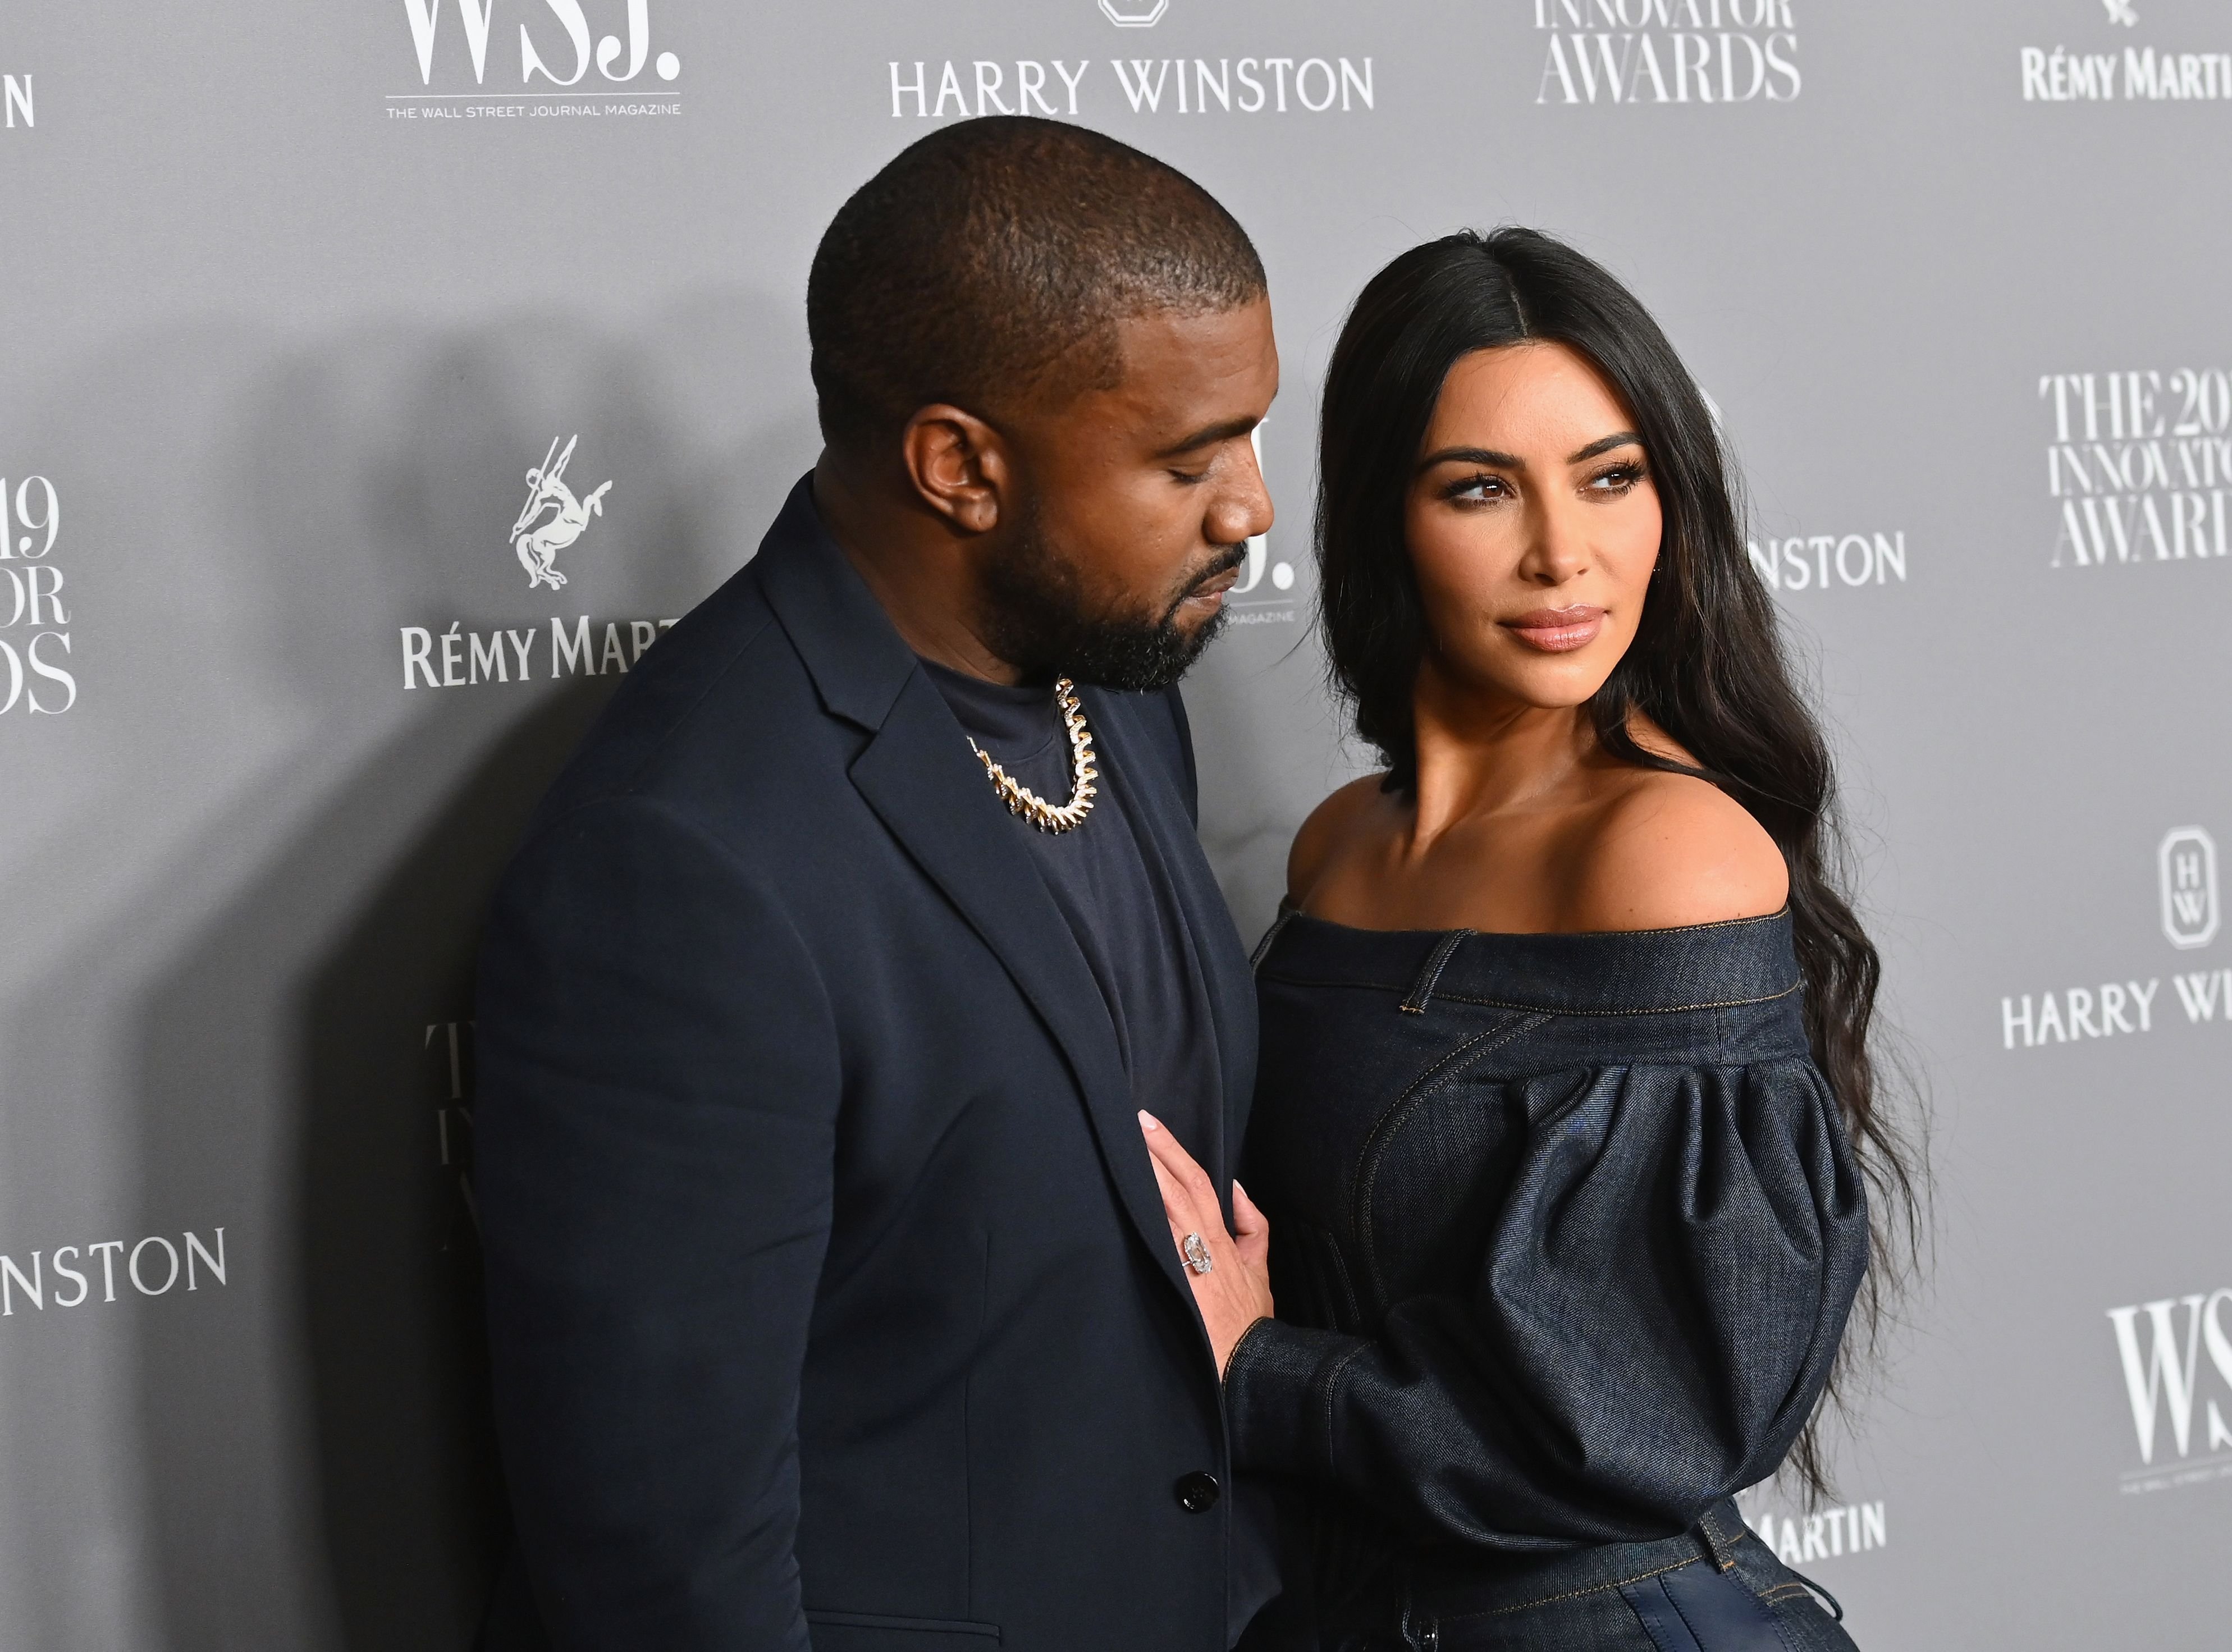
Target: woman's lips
(1557, 631)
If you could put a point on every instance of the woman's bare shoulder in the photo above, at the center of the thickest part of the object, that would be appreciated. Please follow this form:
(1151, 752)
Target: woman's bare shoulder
(1671, 849)
(1330, 825)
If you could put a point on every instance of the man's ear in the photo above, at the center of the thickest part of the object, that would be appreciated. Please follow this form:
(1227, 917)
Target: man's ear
(960, 467)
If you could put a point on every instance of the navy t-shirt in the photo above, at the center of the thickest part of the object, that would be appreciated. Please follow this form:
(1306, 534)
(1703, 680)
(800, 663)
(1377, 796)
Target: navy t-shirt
(1118, 895)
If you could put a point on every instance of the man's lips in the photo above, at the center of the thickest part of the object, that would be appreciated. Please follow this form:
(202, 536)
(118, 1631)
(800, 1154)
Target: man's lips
(1212, 589)
(1557, 631)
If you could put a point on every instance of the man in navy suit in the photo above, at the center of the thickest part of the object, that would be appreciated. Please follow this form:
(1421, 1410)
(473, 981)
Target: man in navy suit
(830, 1296)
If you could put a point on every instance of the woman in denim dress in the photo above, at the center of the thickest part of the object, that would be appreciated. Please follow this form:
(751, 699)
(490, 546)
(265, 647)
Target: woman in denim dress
(1566, 1124)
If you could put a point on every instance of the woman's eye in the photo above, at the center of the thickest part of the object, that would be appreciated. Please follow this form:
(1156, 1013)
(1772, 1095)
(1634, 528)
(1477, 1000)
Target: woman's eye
(1621, 478)
(1480, 490)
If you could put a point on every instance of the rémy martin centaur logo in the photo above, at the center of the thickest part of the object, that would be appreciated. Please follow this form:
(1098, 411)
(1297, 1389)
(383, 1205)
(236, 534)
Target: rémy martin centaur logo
(552, 519)
(2142, 73)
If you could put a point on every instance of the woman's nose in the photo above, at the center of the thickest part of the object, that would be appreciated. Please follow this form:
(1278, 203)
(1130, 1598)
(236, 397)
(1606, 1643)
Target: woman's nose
(1557, 549)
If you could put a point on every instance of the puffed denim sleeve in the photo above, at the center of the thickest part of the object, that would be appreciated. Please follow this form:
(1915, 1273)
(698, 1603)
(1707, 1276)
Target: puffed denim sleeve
(659, 1087)
(1655, 1299)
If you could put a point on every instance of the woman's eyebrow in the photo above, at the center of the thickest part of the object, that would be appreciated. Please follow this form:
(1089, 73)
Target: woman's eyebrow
(1472, 455)
(1604, 444)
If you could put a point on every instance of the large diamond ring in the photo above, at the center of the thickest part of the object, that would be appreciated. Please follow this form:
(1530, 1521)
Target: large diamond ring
(1197, 1254)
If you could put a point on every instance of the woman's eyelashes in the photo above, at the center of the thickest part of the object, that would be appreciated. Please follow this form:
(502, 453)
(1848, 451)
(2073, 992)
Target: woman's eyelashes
(1615, 480)
(1481, 489)
(1619, 479)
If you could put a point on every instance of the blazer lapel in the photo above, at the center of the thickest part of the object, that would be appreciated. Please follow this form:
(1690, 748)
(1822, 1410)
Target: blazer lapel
(919, 777)
(916, 772)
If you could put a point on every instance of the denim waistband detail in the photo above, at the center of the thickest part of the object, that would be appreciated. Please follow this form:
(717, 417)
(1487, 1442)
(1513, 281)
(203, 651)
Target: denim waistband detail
(1518, 1584)
(1629, 972)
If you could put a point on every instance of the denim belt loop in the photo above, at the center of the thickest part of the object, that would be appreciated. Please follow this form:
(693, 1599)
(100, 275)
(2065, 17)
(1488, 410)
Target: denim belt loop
(1721, 1527)
(1422, 990)
(1287, 913)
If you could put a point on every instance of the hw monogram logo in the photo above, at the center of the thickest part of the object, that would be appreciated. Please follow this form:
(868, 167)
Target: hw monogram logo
(2188, 862)
(537, 539)
(2119, 11)
(1134, 14)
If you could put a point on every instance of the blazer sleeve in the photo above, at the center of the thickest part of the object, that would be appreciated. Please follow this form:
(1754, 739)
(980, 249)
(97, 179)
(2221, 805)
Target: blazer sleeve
(1654, 1313)
(657, 1095)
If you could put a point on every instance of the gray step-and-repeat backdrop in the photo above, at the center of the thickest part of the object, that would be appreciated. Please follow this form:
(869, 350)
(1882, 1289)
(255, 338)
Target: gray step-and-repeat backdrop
(294, 297)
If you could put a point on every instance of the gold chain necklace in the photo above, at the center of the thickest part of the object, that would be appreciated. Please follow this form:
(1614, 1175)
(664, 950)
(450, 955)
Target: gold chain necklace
(1020, 799)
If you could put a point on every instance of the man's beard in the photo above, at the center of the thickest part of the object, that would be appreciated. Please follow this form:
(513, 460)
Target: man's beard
(1037, 617)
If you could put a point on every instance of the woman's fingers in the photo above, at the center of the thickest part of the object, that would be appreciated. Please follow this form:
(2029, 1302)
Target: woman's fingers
(1247, 1219)
(1164, 1149)
(1196, 1178)
(1178, 1204)
(1235, 1292)
(1188, 1199)
(1251, 1228)
(1174, 1162)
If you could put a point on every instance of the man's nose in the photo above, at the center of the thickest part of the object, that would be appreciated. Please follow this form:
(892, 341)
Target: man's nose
(1242, 510)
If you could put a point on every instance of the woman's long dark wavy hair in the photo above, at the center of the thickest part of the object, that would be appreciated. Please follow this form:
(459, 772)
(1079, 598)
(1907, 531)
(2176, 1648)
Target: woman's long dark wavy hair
(1707, 664)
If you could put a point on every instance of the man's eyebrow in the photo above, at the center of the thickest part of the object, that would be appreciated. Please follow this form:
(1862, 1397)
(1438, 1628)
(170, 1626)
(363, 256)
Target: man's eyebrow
(1604, 444)
(1472, 455)
(1224, 431)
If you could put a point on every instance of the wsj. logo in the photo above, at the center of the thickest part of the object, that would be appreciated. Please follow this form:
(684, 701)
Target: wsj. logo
(2161, 1361)
(552, 518)
(1265, 610)
(2187, 868)
(476, 19)
(1139, 14)
(16, 99)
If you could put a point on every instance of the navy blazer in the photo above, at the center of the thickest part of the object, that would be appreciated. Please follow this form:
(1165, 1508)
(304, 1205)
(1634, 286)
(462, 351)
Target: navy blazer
(830, 1294)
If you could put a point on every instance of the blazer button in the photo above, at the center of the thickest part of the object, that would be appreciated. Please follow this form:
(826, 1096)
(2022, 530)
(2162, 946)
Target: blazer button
(1198, 1492)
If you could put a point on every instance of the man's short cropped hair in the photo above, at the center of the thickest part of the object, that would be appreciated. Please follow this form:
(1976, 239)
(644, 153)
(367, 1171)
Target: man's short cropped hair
(994, 251)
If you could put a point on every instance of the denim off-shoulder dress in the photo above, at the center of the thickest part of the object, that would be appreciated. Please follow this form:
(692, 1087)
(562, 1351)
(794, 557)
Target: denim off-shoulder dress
(1565, 1232)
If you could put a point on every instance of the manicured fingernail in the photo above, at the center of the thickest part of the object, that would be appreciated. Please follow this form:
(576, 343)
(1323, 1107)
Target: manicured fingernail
(1241, 1191)
(1148, 1121)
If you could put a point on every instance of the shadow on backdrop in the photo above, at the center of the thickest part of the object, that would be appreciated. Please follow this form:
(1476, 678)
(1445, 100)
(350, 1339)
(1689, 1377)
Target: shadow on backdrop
(339, 971)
